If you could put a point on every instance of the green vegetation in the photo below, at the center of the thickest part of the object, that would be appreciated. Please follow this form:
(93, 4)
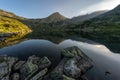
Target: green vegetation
(10, 15)
(104, 28)
(11, 29)
(9, 25)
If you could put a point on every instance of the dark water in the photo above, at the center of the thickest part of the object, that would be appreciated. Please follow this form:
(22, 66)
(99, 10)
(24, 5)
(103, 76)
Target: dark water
(104, 60)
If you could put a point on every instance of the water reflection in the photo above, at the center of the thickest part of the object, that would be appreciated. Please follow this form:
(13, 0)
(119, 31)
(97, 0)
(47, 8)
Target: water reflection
(8, 41)
(104, 60)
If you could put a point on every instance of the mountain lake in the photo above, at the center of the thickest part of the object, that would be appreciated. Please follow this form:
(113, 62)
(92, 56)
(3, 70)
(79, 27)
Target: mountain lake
(105, 61)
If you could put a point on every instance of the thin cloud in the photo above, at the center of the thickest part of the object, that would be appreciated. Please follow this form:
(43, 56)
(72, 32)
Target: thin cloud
(69, 8)
(81, 7)
(104, 5)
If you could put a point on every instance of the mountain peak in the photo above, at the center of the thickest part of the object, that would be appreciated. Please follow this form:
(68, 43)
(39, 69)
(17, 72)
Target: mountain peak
(55, 17)
(56, 13)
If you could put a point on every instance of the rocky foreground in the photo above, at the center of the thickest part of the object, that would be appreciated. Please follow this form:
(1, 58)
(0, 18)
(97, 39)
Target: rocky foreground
(74, 64)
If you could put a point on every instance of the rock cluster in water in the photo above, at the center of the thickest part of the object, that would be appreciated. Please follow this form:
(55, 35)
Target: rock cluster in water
(73, 65)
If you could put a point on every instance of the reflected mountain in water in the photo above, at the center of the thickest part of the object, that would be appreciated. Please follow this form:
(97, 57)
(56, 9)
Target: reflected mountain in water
(58, 38)
(8, 41)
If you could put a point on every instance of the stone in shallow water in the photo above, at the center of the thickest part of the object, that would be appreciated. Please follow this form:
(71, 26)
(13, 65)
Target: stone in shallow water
(4, 69)
(71, 52)
(33, 59)
(40, 62)
(11, 60)
(33, 65)
(67, 78)
(71, 68)
(15, 76)
(5, 78)
(73, 65)
(44, 63)
(28, 69)
(40, 74)
(6, 64)
(59, 76)
(77, 64)
(18, 65)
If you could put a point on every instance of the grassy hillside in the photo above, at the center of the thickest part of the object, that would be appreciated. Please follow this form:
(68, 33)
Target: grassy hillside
(9, 14)
(104, 28)
(9, 25)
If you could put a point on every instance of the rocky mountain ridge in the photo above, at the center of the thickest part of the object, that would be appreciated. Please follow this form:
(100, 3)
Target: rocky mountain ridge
(88, 16)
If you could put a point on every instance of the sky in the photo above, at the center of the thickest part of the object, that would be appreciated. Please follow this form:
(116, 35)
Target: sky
(68, 8)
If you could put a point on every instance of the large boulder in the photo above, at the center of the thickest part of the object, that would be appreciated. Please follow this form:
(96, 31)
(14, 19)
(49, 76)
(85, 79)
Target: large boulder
(78, 62)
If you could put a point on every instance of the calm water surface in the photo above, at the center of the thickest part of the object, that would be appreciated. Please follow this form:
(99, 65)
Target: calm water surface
(104, 60)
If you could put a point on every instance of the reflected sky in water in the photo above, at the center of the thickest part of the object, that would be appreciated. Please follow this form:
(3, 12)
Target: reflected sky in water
(104, 60)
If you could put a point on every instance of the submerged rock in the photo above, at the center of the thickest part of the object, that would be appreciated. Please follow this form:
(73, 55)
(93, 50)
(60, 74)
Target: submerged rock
(18, 65)
(4, 69)
(34, 65)
(5, 78)
(6, 64)
(33, 59)
(15, 76)
(73, 65)
(69, 52)
(44, 63)
(59, 76)
(28, 69)
(71, 68)
(40, 74)
(40, 62)
(77, 64)
(67, 78)
(74, 51)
